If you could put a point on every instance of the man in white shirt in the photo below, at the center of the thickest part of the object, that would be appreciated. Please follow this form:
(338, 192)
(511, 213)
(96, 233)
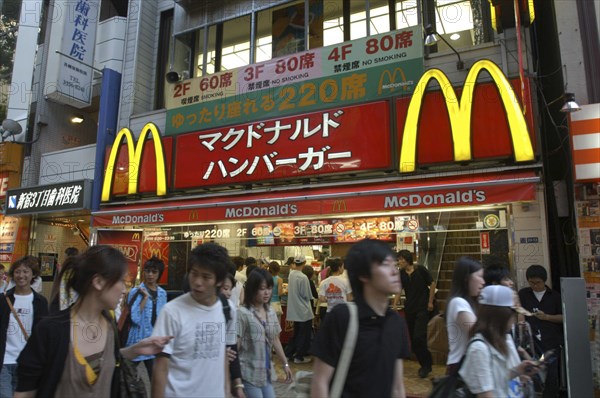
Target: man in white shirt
(299, 311)
(194, 363)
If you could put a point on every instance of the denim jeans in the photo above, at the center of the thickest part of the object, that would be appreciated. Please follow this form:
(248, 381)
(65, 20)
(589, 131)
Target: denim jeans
(8, 380)
(253, 391)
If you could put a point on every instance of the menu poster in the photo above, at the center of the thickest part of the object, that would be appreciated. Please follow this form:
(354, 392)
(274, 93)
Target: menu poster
(355, 229)
(314, 232)
(263, 233)
(284, 233)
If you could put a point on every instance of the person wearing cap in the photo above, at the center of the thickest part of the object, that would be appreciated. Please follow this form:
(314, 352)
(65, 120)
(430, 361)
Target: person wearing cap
(491, 366)
(299, 311)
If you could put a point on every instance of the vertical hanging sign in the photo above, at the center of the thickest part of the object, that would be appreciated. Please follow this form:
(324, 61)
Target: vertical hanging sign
(69, 74)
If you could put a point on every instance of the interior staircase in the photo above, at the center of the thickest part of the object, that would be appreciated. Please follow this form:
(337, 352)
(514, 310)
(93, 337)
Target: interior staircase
(462, 239)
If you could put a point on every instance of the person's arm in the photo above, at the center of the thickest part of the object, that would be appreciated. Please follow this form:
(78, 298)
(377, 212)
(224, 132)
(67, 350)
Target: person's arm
(465, 321)
(281, 355)
(152, 345)
(25, 394)
(280, 286)
(349, 297)
(431, 296)
(541, 315)
(227, 377)
(322, 374)
(160, 373)
(398, 390)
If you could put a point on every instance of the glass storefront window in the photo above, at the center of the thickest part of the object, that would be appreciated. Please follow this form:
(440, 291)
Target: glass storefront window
(407, 14)
(379, 17)
(236, 43)
(461, 22)
(333, 22)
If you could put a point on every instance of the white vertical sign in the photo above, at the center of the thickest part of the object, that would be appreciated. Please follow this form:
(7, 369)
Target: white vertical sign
(71, 69)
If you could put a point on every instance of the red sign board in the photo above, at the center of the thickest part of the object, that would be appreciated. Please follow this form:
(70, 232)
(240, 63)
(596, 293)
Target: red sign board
(490, 134)
(463, 191)
(127, 242)
(485, 242)
(340, 140)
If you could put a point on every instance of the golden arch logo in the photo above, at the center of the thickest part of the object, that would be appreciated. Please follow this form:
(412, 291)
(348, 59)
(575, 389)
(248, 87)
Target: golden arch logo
(135, 159)
(339, 206)
(460, 115)
(193, 216)
(135, 236)
(391, 83)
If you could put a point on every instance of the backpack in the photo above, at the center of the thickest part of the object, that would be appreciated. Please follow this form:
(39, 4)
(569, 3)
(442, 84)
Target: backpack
(124, 324)
(437, 334)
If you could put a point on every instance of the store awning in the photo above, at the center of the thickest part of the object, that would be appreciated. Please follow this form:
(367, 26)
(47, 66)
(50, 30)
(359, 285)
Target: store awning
(443, 192)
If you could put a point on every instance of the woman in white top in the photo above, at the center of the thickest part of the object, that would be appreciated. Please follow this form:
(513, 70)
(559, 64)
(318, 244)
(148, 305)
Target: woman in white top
(467, 282)
(492, 367)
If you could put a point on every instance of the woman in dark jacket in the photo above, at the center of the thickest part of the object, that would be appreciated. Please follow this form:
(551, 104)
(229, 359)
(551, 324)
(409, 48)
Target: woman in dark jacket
(29, 307)
(73, 352)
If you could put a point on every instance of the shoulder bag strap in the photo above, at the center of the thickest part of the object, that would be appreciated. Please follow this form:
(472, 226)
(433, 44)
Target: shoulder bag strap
(12, 309)
(347, 351)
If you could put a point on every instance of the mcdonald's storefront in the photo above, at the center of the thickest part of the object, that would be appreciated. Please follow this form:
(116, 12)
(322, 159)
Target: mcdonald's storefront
(456, 168)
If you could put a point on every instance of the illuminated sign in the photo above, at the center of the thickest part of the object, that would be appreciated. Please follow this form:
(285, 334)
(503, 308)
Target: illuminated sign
(74, 195)
(135, 160)
(459, 112)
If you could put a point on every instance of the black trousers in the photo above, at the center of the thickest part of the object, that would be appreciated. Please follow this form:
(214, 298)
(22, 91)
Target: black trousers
(299, 344)
(417, 329)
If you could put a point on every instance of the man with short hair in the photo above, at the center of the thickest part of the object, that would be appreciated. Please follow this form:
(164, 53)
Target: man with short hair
(299, 311)
(376, 368)
(419, 288)
(546, 322)
(194, 362)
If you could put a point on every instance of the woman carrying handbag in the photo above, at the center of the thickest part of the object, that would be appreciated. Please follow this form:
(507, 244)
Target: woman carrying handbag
(75, 352)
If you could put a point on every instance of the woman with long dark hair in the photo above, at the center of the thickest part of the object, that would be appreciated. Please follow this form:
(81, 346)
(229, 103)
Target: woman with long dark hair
(492, 367)
(258, 332)
(467, 283)
(73, 352)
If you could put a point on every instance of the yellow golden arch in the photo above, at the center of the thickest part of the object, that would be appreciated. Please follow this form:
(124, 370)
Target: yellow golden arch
(135, 159)
(460, 115)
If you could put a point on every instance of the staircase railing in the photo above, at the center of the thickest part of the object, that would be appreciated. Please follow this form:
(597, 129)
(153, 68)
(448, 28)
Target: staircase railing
(436, 245)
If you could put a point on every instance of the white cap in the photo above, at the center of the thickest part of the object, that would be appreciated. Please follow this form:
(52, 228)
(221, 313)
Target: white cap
(299, 259)
(498, 296)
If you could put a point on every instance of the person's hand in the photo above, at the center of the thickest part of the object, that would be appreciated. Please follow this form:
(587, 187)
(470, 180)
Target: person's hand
(430, 307)
(541, 315)
(288, 374)
(528, 368)
(523, 353)
(149, 346)
(238, 392)
(144, 292)
(231, 354)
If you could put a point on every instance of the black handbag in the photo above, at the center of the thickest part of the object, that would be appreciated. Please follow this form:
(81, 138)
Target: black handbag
(125, 381)
(452, 386)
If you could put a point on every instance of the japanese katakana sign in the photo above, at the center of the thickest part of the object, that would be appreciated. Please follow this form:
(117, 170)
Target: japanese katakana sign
(73, 195)
(340, 140)
(370, 68)
(69, 74)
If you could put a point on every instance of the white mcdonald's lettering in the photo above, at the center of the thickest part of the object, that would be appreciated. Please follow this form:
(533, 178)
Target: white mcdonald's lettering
(460, 115)
(135, 159)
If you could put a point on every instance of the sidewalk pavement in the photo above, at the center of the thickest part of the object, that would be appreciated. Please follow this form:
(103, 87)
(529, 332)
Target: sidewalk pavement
(415, 386)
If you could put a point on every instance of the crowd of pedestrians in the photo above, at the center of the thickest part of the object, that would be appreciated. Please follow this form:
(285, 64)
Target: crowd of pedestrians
(222, 336)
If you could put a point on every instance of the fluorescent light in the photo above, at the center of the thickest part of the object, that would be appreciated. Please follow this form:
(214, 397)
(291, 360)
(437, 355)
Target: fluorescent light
(77, 119)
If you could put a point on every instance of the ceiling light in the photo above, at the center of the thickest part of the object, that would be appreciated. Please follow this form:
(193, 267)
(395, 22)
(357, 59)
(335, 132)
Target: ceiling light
(432, 37)
(570, 104)
(77, 119)
(455, 36)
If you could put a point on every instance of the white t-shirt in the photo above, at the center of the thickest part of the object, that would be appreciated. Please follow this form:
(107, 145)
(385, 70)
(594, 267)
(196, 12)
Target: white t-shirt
(482, 373)
(241, 277)
(15, 341)
(457, 339)
(335, 288)
(197, 362)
